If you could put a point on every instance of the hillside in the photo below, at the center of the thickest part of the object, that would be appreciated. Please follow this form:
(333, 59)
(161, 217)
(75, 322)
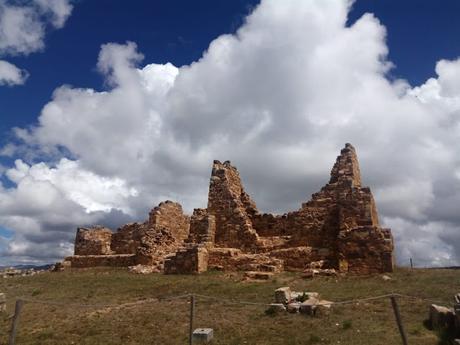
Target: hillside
(77, 312)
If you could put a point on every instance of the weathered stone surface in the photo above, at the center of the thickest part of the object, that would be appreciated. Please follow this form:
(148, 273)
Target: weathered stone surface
(188, 260)
(2, 303)
(116, 260)
(133, 244)
(283, 295)
(323, 307)
(457, 312)
(336, 231)
(202, 227)
(309, 306)
(143, 269)
(293, 307)
(253, 275)
(442, 317)
(232, 208)
(93, 241)
(202, 335)
(127, 239)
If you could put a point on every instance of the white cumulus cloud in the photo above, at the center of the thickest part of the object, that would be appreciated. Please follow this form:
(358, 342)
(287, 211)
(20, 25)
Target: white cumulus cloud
(11, 75)
(279, 98)
(23, 26)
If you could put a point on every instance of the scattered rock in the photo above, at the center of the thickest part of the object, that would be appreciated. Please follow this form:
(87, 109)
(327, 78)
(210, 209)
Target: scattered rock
(283, 295)
(258, 275)
(323, 307)
(441, 317)
(309, 306)
(143, 269)
(293, 307)
(275, 308)
(312, 272)
(2, 303)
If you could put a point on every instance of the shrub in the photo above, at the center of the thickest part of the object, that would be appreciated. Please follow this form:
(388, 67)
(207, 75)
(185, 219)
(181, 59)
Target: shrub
(347, 324)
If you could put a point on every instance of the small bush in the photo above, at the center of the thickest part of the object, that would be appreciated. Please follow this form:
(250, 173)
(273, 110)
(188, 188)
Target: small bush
(314, 339)
(347, 324)
(302, 298)
(36, 292)
(272, 311)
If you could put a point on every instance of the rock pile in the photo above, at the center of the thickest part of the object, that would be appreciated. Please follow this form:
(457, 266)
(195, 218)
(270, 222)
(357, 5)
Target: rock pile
(445, 318)
(308, 303)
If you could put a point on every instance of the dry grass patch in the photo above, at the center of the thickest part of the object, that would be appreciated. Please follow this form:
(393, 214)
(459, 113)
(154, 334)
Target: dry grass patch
(166, 322)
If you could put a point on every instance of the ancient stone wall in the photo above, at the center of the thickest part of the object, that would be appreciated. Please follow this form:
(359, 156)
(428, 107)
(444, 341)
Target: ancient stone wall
(93, 241)
(202, 227)
(145, 243)
(127, 239)
(85, 261)
(366, 250)
(187, 260)
(230, 205)
(169, 215)
(338, 228)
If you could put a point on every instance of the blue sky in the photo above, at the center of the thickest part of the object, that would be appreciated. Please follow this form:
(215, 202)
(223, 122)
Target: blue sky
(419, 32)
(226, 79)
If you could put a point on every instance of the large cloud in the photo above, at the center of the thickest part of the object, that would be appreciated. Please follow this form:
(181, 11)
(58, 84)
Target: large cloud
(279, 98)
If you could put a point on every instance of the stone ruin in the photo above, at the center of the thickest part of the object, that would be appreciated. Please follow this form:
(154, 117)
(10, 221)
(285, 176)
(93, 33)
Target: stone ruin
(337, 230)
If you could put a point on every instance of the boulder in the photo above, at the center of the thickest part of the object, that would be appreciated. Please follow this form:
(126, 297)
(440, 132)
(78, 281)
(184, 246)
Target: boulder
(442, 317)
(275, 308)
(202, 335)
(323, 307)
(2, 303)
(309, 306)
(283, 295)
(293, 307)
(298, 296)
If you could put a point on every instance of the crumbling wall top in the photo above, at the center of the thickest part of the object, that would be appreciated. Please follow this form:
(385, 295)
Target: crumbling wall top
(346, 167)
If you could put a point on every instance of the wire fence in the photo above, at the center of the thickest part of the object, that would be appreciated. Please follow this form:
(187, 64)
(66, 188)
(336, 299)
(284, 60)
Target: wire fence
(229, 317)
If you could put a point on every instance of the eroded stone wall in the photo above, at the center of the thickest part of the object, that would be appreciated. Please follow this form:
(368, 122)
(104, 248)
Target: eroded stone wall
(127, 239)
(145, 243)
(202, 227)
(169, 215)
(93, 241)
(338, 228)
(231, 207)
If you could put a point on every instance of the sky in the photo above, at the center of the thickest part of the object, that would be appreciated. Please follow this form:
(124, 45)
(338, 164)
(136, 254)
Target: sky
(109, 107)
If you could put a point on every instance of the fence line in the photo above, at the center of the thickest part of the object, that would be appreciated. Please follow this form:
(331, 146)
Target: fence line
(220, 299)
(192, 299)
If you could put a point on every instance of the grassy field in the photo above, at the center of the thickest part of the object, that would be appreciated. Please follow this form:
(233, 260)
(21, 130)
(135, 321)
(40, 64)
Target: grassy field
(79, 315)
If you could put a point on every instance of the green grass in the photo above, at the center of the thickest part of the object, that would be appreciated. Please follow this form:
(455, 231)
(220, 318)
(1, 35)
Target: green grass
(166, 321)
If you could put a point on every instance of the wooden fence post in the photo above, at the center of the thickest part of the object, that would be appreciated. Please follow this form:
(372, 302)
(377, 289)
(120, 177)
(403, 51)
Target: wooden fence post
(394, 304)
(192, 312)
(14, 326)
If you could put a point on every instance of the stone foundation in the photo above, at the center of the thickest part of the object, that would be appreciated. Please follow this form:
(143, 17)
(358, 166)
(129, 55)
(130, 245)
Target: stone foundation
(117, 260)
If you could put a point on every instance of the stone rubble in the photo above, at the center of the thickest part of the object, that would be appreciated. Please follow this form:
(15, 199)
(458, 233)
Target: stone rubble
(305, 302)
(337, 231)
(2, 303)
(445, 318)
(17, 272)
